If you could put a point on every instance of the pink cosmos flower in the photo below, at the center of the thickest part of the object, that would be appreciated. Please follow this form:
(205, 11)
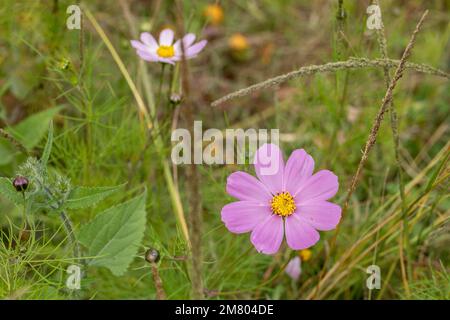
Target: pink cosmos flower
(166, 51)
(285, 200)
(294, 268)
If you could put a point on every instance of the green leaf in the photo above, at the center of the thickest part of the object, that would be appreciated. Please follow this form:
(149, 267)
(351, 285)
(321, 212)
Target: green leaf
(84, 197)
(30, 131)
(6, 154)
(48, 145)
(113, 237)
(7, 190)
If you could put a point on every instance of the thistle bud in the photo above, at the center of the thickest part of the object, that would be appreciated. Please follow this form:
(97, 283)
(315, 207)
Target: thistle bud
(152, 255)
(20, 183)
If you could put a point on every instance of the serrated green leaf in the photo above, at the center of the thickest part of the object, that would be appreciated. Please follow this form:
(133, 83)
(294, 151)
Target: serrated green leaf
(113, 237)
(7, 190)
(30, 131)
(48, 145)
(84, 197)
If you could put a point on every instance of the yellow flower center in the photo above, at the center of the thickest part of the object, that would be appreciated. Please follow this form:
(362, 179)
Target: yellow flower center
(283, 204)
(165, 51)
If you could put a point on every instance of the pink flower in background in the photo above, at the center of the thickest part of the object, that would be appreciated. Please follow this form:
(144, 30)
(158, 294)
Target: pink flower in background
(166, 51)
(285, 200)
(294, 268)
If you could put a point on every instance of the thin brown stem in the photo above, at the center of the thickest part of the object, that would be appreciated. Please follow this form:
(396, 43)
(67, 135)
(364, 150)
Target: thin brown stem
(160, 293)
(192, 176)
(384, 105)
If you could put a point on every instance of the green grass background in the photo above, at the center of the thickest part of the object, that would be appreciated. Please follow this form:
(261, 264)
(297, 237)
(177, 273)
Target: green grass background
(99, 141)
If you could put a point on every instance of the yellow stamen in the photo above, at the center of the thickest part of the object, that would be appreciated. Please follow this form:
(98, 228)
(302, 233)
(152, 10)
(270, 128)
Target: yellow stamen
(165, 51)
(283, 204)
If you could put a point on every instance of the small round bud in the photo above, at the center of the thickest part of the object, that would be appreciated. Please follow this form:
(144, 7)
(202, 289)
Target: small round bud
(152, 255)
(20, 183)
(175, 98)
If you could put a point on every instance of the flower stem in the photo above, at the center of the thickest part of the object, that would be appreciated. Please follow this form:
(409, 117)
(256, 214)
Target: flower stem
(160, 293)
(24, 211)
(24, 217)
(161, 81)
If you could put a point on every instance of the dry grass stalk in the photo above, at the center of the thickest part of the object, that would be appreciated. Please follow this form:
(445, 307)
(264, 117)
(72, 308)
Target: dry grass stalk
(382, 43)
(387, 100)
(352, 63)
(384, 105)
(397, 214)
(20, 147)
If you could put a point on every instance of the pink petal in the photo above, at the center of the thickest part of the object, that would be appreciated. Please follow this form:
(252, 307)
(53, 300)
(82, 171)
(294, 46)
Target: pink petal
(323, 185)
(269, 167)
(166, 37)
(243, 216)
(268, 235)
(243, 186)
(299, 234)
(293, 268)
(147, 56)
(299, 168)
(192, 51)
(322, 215)
(167, 60)
(139, 45)
(177, 49)
(188, 40)
(148, 40)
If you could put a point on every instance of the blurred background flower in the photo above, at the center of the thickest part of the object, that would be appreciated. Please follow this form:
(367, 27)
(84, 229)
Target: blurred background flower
(214, 14)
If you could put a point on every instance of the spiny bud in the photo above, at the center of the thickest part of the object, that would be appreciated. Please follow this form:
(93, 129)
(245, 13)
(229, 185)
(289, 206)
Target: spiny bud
(20, 183)
(152, 255)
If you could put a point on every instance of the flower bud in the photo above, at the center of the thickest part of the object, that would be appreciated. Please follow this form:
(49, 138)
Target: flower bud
(20, 183)
(175, 98)
(152, 255)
